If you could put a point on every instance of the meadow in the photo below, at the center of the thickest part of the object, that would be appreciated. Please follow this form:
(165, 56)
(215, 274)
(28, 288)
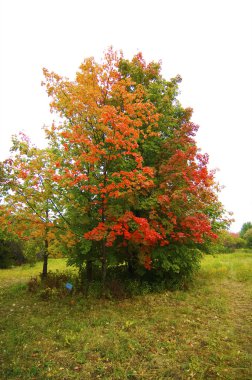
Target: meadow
(204, 332)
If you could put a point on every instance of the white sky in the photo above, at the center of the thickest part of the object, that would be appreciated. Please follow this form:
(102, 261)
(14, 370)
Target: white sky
(207, 42)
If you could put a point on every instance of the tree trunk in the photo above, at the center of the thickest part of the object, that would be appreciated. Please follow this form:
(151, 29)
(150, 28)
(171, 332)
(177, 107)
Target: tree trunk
(89, 271)
(103, 248)
(46, 244)
(131, 269)
(104, 267)
(45, 260)
(132, 262)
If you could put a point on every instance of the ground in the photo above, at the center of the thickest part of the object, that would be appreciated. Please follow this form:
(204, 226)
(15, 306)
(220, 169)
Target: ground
(202, 333)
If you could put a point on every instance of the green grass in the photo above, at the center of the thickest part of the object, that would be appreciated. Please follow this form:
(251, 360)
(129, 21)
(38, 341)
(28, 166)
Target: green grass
(204, 333)
(20, 275)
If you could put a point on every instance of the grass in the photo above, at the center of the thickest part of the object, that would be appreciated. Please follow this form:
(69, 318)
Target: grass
(204, 333)
(20, 275)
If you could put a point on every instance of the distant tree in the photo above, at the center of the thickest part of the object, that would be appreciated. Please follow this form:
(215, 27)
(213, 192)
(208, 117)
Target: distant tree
(11, 250)
(227, 242)
(246, 226)
(248, 237)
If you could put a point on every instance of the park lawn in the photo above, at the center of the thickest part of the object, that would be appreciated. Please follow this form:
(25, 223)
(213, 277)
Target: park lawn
(202, 333)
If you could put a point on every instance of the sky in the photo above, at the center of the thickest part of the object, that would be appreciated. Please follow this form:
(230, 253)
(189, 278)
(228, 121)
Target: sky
(207, 42)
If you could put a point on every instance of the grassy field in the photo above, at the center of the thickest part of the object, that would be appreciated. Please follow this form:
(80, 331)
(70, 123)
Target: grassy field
(203, 333)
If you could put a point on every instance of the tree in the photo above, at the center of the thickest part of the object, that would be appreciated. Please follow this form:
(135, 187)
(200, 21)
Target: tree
(11, 250)
(98, 157)
(245, 227)
(29, 210)
(248, 237)
(228, 242)
(125, 154)
(185, 199)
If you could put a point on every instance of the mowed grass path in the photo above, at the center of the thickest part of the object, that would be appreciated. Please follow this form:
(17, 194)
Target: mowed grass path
(203, 333)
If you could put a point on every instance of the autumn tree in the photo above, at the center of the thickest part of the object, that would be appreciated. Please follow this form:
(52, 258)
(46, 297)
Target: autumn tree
(30, 208)
(184, 202)
(98, 156)
(125, 152)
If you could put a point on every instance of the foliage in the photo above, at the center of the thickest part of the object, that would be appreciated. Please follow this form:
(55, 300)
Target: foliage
(31, 208)
(33, 250)
(248, 237)
(246, 226)
(11, 250)
(11, 253)
(122, 181)
(227, 242)
(125, 155)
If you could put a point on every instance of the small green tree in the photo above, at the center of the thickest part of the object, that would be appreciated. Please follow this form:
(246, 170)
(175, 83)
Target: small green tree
(245, 227)
(248, 238)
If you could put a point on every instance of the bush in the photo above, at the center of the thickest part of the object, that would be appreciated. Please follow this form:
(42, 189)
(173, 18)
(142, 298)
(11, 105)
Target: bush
(53, 285)
(11, 253)
(176, 266)
(228, 242)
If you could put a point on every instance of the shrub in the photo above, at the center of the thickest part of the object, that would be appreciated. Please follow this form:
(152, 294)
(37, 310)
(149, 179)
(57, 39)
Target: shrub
(54, 285)
(11, 253)
(228, 242)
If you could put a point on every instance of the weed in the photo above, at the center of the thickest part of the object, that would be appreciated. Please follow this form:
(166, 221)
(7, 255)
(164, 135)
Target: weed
(33, 284)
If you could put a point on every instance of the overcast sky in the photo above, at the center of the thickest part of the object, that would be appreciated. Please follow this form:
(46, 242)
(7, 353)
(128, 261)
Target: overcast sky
(207, 42)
